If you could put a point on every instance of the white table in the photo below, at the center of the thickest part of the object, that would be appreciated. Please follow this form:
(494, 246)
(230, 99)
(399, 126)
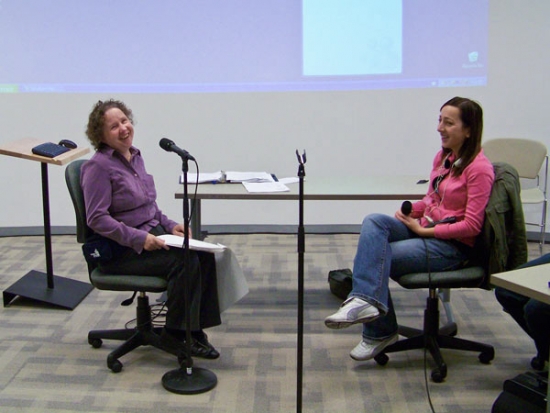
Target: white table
(365, 188)
(531, 282)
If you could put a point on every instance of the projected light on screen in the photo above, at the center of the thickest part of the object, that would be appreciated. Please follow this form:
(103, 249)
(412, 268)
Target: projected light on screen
(179, 46)
(363, 38)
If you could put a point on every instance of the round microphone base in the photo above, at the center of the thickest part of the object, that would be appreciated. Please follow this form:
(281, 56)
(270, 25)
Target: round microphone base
(195, 381)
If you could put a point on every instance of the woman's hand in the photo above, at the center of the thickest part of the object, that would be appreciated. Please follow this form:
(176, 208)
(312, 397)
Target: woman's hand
(180, 230)
(153, 243)
(414, 224)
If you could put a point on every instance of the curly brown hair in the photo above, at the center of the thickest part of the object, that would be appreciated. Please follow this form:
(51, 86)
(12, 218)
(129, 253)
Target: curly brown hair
(96, 120)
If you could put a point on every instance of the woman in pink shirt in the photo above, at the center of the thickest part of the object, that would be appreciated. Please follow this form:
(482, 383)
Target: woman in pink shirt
(441, 228)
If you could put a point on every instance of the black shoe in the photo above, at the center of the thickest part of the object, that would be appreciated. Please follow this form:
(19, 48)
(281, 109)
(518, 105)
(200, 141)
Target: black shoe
(202, 348)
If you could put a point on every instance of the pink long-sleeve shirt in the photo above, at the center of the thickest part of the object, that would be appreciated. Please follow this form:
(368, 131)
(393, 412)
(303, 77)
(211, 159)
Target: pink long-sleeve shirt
(464, 197)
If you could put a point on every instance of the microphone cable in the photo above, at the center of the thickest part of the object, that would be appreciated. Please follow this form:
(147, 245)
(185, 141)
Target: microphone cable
(158, 311)
(426, 381)
(194, 202)
(406, 209)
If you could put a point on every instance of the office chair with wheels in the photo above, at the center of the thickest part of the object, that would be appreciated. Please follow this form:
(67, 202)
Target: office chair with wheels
(530, 159)
(144, 333)
(501, 246)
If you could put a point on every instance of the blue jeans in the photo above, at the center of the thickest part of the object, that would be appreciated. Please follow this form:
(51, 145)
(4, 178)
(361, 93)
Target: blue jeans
(388, 248)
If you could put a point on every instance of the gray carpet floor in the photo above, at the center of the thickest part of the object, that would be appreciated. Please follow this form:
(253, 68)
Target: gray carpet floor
(47, 365)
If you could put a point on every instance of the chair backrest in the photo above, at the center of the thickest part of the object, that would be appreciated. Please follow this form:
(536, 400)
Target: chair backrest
(72, 178)
(526, 155)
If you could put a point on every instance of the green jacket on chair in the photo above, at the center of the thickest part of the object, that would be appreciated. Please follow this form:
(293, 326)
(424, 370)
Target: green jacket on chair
(503, 235)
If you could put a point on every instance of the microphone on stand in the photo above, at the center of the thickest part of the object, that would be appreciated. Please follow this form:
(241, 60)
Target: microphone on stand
(188, 379)
(169, 146)
(406, 208)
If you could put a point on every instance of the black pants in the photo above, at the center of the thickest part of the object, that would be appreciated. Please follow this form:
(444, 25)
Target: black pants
(200, 277)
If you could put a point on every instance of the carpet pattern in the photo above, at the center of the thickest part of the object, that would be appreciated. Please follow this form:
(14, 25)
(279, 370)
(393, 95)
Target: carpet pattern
(46, 364)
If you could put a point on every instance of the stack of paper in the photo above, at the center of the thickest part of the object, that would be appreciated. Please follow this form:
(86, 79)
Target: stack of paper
(204, 177)
(228, 176)
(194, 244)
(232, 176)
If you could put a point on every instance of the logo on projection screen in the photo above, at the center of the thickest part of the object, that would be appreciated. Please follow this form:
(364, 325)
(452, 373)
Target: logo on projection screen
(473, 61)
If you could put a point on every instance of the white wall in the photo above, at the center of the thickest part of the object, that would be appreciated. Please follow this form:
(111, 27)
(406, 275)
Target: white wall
(344, 133)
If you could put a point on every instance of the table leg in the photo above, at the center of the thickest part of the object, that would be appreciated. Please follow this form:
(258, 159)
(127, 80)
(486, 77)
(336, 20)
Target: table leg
(69, 293)
(196, 219)
(47, 224)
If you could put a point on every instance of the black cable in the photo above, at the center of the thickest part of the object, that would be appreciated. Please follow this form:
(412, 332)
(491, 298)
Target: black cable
(160, 313)
(155, 314)
(406, 209)
(193, 203)
(426, 381)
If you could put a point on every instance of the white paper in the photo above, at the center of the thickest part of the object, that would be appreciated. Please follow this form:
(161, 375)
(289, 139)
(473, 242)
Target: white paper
(233, 176)
(267, 187)
(232, 285)
(194, 244)
(290, 180)
(203, 177)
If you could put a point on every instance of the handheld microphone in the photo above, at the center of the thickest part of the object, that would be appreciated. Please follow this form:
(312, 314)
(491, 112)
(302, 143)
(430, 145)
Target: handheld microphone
(170, 146)
(406, 207)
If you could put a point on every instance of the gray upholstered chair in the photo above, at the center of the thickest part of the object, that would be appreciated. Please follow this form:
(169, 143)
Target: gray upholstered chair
(504, 209)
(434, 337)
(144, 333)
(530, 159)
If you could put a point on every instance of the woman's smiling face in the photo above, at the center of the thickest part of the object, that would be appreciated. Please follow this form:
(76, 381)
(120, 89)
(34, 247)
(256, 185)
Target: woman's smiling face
(118, 131)
(452, 130)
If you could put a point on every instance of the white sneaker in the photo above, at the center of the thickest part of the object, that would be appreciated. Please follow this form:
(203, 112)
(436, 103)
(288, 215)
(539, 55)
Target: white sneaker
(368, 349)
(352, 311)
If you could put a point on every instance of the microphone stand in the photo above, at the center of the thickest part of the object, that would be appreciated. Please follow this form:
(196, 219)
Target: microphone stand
(301, 251)
(188, 380)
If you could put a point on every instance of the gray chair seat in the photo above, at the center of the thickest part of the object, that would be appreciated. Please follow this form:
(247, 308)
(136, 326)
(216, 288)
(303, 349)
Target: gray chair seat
(469, 277)
(111, 282)
(432, 336)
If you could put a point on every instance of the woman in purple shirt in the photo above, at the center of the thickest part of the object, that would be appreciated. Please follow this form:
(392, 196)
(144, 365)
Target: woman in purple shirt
(120, 199)
(445, 223)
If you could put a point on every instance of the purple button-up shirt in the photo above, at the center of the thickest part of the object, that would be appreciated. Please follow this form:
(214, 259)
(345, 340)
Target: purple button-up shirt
(120, 198)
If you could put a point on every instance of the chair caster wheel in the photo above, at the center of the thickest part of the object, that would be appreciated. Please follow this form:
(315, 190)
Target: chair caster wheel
(439, 373)
(487, 356)
(95, 342)
(115, 366)
(382, 359)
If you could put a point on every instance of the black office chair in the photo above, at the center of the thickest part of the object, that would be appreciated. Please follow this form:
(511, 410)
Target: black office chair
(144, 333)
(505, 202)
